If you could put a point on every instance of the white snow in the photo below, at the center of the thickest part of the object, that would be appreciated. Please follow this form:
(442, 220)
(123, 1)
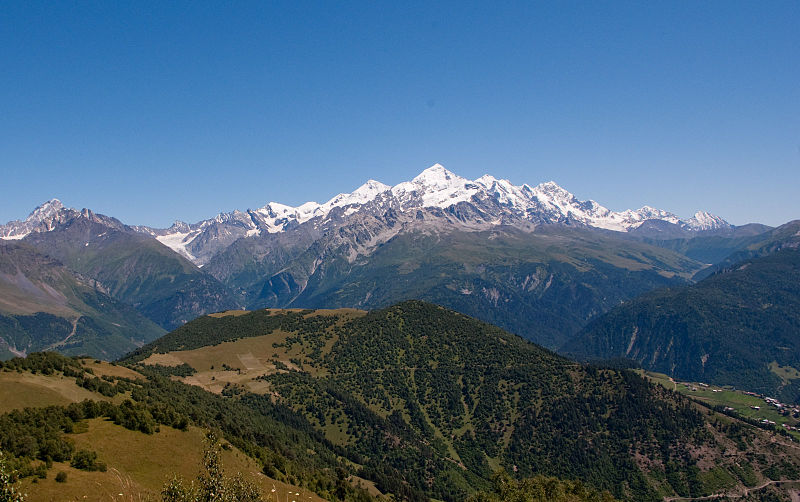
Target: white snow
(703, 220)
(178, 241)
(14, 237)
(505, 192)
(436, 187)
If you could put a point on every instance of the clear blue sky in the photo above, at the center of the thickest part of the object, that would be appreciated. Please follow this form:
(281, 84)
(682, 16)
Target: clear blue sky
(155, 111)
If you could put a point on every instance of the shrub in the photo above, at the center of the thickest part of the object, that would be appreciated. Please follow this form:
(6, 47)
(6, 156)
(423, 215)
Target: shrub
(87, 460)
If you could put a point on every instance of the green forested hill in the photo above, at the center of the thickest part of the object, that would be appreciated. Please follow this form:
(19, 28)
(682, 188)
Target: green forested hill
(738, 327)
(427, 402)
(145, 429)
(45, 306)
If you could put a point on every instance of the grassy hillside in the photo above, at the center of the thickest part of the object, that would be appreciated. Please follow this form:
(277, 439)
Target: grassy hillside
(138, 433)
(426, 402)
(45, 306)
(139, 465)
(734, 328)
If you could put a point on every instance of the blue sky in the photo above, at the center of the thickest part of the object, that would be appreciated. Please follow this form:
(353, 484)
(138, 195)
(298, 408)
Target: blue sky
(158, 111)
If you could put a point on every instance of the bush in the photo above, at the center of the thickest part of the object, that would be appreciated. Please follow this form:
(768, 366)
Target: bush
(87, 460)
(61, 477)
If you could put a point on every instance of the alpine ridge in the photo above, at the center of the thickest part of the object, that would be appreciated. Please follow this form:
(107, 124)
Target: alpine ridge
(498, 202)
(495, 202)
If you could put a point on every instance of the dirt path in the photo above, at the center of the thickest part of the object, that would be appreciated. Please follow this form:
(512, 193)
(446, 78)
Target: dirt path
(747, 491)
(62, 342)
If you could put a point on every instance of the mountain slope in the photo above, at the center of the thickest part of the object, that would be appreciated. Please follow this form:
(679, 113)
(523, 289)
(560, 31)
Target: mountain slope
(543, 285)
(735, 327)
(707, 247)
(785, 236)
(131, 267)
(421, 394)
(147, 429)
(44, 305)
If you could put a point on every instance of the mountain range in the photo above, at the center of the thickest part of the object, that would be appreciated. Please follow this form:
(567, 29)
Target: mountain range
(493, 202)
(534, 259)
(420, 400)
(496, 202)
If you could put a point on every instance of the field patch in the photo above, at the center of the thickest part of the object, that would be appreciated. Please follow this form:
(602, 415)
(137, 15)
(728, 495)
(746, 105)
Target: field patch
(250, 362)
(744, 405)
(103, 368)
(785, 373)
(28, 390)
(239, 362)
(163, 360)
(229, 312)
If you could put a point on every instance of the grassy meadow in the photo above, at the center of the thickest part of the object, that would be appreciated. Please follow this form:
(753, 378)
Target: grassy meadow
(140, 464)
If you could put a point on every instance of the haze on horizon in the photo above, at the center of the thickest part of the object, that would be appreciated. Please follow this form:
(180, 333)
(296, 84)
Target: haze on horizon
(150, 112)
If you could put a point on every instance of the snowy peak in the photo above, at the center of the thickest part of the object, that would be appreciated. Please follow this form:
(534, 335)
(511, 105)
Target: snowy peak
(551, 192)
(703, 220)
(363, 194)
(504, 192)
(437, 176)
(368, 191)
(43, 218)
(180, 226)
(487, 181)
(435, 187)
(277, 217)
(551, 187)
(45, 211)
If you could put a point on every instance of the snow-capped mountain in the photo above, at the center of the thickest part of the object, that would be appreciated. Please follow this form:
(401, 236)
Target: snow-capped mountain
(49, 215)
(503, 252)
(478, 203)
(491, 201)
(706, 221)
(40, 219)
